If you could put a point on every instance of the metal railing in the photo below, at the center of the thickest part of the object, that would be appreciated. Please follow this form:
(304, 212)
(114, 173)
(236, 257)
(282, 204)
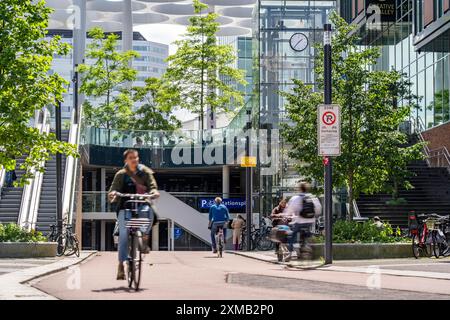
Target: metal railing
(439, 157)
(32, 191)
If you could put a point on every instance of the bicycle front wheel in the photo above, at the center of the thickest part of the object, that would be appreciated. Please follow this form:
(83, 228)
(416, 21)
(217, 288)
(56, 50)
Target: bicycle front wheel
(135, 263)
(416, 248)
(436, 246)
(61, 247)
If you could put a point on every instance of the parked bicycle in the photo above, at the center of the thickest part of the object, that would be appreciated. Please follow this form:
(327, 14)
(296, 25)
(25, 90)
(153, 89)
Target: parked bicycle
(260, 238)
(135, 226)
(438, 228)
(67, 240)
(421, 238)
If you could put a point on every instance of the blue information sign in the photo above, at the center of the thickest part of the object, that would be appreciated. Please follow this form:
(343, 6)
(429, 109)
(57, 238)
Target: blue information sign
(230, 203)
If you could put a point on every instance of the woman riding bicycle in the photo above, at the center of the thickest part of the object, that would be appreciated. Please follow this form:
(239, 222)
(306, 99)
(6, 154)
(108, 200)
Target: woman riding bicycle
(134, 178)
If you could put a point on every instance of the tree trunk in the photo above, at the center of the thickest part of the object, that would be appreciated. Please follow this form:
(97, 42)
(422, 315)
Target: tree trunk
(350, 197)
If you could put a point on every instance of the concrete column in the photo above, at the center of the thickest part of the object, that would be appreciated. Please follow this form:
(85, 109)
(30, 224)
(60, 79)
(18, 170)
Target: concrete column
(79, 31)
(79, 39)
(102, 235)
(103, 189)
(225, 181)
(94, 234)
(155, 237)
(127, 24)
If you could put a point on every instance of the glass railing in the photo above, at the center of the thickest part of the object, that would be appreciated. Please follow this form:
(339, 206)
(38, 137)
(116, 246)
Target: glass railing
(96, 201)
(156, 139)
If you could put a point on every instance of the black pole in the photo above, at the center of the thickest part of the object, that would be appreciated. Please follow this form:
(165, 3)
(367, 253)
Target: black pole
(58, 169)
(75, 95)
(328, 163)
(248, 187)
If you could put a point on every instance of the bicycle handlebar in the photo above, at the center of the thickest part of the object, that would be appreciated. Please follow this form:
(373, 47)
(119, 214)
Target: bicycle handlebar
(135, 195)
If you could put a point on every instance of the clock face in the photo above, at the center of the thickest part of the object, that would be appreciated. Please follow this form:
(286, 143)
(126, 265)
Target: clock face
(298, 42)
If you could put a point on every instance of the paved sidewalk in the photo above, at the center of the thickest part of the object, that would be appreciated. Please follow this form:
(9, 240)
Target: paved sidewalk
(14, 282)
(8, 265)
(409, 267)
(199, 275)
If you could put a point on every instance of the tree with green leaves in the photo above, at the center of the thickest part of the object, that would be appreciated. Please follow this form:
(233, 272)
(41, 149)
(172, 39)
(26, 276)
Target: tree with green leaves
(373, 106)
(153, 114)
(27, 85)
(105, 82)
(201, 72)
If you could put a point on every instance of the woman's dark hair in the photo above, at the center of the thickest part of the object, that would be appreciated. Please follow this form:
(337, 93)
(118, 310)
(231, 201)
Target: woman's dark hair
(127, 152)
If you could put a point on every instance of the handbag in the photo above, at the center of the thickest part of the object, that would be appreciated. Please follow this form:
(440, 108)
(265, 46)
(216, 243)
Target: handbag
(230, 224)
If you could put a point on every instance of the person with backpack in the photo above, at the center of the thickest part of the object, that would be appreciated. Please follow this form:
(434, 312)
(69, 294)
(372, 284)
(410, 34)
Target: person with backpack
(218, 218)
(134, 178)
(304, 209)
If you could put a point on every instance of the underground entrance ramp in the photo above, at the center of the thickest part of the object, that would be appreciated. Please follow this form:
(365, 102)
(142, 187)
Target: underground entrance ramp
(170, 207)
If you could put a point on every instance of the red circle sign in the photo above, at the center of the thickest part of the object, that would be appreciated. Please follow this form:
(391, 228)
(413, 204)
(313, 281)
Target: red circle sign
(329, 118)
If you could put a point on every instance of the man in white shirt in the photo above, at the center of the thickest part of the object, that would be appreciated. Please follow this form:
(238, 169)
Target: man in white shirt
(299, 223)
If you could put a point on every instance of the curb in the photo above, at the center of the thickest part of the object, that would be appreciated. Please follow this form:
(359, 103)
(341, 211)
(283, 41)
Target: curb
(365, 270)
(15, 285)
(263, 257)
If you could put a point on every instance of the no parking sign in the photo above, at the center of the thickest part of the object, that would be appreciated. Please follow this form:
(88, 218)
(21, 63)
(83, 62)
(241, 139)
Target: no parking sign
(329, 130)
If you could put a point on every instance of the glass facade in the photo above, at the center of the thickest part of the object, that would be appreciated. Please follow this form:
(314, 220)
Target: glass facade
(276, 65)
(428, 71)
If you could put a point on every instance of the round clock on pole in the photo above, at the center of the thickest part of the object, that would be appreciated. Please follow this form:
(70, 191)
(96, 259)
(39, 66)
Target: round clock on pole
(298, 42)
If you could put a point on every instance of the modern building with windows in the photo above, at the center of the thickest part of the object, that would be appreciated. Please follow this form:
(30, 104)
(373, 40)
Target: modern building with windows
(277, 61)
(150, 63)
(414, 38)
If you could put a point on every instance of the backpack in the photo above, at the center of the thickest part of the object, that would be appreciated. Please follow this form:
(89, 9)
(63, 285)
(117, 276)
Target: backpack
(308, 210)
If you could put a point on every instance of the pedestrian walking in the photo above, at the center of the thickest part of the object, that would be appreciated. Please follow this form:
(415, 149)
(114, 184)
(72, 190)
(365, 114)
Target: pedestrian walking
(237, 225)
(278, 218)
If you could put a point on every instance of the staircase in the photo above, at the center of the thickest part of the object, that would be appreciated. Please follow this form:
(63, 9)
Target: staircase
(431, 194)
(11, 198)
(47, 205)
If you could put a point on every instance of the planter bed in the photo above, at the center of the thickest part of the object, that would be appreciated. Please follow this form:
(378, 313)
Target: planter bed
(27, 249)
(356, 251)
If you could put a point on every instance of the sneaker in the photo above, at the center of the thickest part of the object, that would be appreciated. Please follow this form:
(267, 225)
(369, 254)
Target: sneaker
(214, 251)
(121, 272)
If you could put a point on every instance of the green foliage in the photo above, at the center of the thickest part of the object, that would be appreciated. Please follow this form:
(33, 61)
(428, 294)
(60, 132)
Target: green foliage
(365, 232)
(26, 85)
(396, 202)
(153, 114)
(373, 105)
(106, 81)
(199, 73)
(14, 233)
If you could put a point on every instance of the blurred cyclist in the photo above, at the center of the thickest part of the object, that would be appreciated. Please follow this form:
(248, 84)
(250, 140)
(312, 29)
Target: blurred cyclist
(132, 178)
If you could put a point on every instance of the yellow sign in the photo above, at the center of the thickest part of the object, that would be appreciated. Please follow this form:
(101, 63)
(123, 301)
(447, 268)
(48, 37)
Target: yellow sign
(247, 162)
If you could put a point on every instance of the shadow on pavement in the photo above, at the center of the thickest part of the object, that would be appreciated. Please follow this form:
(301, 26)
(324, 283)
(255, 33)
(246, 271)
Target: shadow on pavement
(122, 288)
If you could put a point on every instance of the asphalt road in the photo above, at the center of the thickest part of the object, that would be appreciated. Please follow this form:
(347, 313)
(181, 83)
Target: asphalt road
(200, 275)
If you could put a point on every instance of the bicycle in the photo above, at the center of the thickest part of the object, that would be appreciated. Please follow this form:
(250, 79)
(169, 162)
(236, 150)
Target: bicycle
(437, 226)
(282, 233)
(68, 243)
(134, 226)
(220, 241)
(420, 236)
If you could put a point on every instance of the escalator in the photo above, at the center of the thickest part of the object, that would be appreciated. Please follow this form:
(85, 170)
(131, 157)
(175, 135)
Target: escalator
(11, 198)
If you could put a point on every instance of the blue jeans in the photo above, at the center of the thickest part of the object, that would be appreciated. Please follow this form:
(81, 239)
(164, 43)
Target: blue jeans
(304, 229)
(214, 228)
(144, 211)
